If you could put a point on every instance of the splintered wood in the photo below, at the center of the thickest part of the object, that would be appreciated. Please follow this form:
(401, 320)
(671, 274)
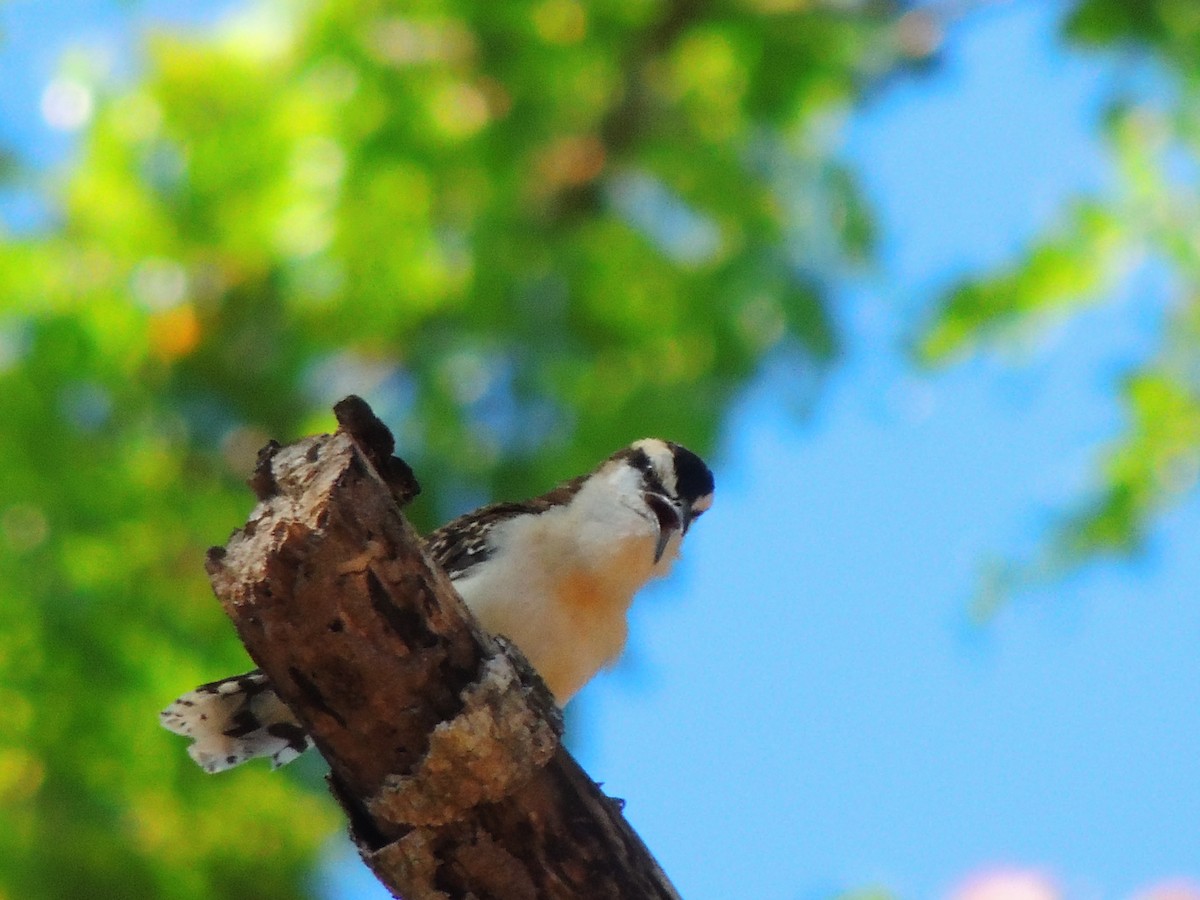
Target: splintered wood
(442, 742)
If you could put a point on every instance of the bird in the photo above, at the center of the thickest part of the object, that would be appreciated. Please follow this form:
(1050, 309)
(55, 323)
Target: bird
(555, 575)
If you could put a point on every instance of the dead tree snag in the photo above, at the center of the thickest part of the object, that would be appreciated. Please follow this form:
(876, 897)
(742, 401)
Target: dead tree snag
(443, 744)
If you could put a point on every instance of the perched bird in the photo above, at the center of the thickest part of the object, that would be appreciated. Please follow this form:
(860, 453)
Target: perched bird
(555, 575)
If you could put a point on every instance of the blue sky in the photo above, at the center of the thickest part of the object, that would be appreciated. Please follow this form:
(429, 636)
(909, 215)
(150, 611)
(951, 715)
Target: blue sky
(809, 708)
(806, 706)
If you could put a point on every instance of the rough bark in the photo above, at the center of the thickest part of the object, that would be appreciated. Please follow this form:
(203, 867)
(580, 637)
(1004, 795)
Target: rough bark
(442, 742)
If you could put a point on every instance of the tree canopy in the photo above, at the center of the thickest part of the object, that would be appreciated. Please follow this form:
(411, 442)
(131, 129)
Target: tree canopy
(1147, 221)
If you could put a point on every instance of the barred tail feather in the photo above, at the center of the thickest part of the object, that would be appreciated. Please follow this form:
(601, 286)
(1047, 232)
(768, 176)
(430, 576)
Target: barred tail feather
(236, 719)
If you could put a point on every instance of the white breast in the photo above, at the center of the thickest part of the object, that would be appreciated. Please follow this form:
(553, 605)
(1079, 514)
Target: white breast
(561, 582)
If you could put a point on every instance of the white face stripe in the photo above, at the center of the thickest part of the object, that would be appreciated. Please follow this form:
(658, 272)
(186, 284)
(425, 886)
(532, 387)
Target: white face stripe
(662, 459)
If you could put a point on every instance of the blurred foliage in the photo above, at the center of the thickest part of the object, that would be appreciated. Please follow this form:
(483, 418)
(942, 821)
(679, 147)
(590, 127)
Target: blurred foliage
(1150, 219)
(528, 232)
(868, 894)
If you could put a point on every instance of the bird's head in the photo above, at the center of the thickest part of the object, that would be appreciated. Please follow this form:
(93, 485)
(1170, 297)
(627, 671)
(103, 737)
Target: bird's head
(675, 485)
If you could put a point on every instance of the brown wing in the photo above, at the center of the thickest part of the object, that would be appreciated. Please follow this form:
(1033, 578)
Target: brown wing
(463, 543)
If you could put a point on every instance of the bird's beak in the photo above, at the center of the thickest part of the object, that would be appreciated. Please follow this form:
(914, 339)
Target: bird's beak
(670, 519)
(685, 518)
(660, 548)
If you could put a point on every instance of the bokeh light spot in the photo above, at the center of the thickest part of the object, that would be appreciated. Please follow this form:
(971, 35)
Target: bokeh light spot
(1007, 884)
(67, 104)
(159, 284)
(560, 21)
(175, 332)
(24, 526)
(460, 109)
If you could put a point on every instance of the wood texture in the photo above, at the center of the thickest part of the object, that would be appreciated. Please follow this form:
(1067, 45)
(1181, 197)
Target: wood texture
(442, 742)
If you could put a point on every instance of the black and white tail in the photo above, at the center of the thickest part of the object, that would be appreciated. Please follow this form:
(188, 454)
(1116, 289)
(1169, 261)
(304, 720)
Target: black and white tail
(236, 719)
